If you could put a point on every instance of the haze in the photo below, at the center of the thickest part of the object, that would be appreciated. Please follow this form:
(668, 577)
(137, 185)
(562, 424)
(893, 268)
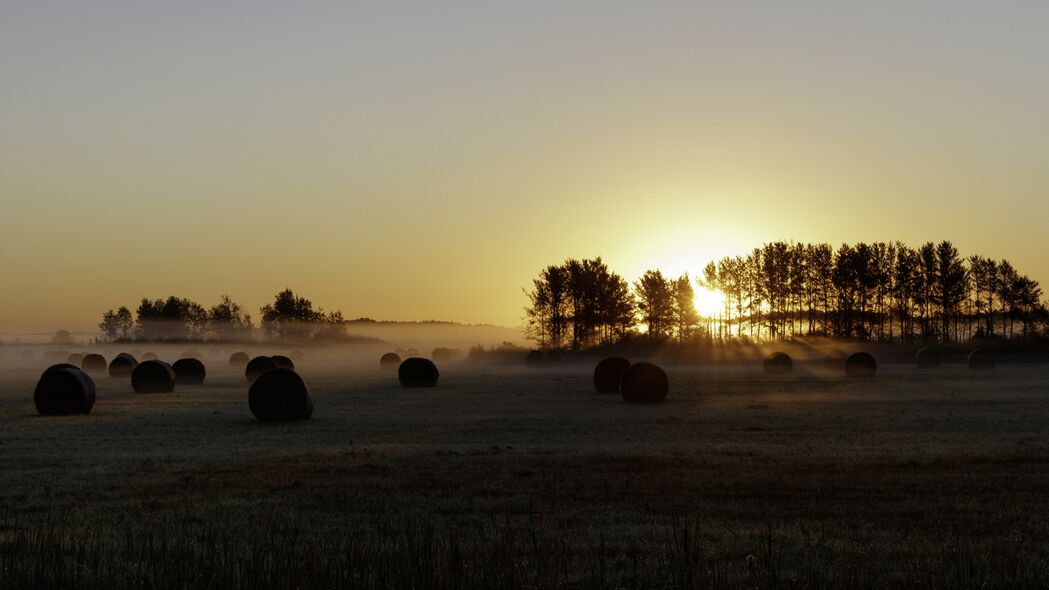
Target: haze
(426, 163)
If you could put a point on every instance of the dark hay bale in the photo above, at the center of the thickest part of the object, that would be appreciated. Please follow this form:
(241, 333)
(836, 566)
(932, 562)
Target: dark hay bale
(608, 373)
(61, 366)
(534, 358)
(64, 391)
(153, 377)
(441, 355)
(75, 359)
(644, 383)
(94, 363)
(981, 359)
(835, 360)
(238, 359)
(257, 366)
(418, 372)
(191, 354)
(927, 358)
(554, 357)
(283, 362)
(778, 363)
(861, 364)
(149, 356)
(280, 395)
(189, 372)
(390, 361)
(122, 365)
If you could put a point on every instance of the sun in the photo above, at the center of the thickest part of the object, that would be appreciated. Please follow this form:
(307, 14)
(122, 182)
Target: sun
(709, 302)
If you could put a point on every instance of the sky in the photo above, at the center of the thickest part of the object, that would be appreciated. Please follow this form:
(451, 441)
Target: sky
(426, 160)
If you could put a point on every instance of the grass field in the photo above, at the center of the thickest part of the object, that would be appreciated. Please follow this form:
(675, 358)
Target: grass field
(508, 477)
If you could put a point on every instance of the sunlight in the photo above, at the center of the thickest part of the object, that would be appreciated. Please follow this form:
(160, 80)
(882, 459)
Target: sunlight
(709, 302)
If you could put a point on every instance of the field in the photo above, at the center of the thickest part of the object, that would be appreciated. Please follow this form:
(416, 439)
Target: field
(509, 477)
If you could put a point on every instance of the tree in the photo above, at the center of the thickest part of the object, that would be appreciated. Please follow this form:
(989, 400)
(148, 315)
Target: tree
(117, 325)
(686, 319)
(655, 303)
(227, 321)
(951, 286)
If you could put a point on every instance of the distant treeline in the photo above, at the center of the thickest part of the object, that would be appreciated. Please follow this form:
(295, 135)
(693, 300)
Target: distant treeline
(289, 317)
(878, 292)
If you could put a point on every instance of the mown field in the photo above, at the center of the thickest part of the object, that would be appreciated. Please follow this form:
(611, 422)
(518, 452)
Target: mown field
(510, 477)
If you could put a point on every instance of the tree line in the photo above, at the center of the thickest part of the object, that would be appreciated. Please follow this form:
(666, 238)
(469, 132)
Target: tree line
(879, 292)
(289, 317)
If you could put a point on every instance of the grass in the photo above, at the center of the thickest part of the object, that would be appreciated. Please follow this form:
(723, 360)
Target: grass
(914, 480)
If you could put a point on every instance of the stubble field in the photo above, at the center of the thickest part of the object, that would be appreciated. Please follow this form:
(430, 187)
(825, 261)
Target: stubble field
(508, 476)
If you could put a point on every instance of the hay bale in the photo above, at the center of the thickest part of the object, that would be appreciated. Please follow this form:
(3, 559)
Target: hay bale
(861, 364)
(835, 360)
(534, 358)
(61, 366)
(418, 372)
(644, 383)
(153, 377)
(238, 360)
(64, 391)
(608, 373)
(257, 366)
(75, 359)
(280, 395)
(283, 362)
(389, 361)
(149, 356)
(122, 365)
(94, 363)
(778, 363)
(927, 358)
(981, 359)
(189, 372)
(442, 354)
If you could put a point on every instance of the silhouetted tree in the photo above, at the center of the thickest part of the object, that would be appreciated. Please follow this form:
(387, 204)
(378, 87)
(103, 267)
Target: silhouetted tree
(117, 325)
(655, 303)
(686, 319)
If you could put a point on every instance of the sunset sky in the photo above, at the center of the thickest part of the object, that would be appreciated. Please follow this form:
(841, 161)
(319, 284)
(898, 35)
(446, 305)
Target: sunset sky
(418, 161)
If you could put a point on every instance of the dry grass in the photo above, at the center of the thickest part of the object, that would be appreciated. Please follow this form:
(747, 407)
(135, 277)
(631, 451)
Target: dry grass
(517, 478)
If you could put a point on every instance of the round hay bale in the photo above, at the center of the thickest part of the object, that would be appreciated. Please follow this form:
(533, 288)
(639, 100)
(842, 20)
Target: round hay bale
(94, 363)
(861, 364)
(835, 360)
(191, 354)
(189, 372)
(238, 359)
(389, 361)
(283, 362)
(280, 395)
(608, 373)
(75, 359)
(257, 366)
(122, 365)
(442, 354)
(927, 358)
(64, 391)
(153, 377)
(534, 358)
(778, 363)
(418, 372)
(981, 359)
(61, 366)
(644, 383)
(149, 356)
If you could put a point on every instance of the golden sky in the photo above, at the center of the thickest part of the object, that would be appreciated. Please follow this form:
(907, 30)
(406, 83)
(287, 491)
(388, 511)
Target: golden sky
(422, 161)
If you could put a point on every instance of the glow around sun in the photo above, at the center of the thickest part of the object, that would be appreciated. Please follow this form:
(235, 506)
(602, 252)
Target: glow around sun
(709, 302)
